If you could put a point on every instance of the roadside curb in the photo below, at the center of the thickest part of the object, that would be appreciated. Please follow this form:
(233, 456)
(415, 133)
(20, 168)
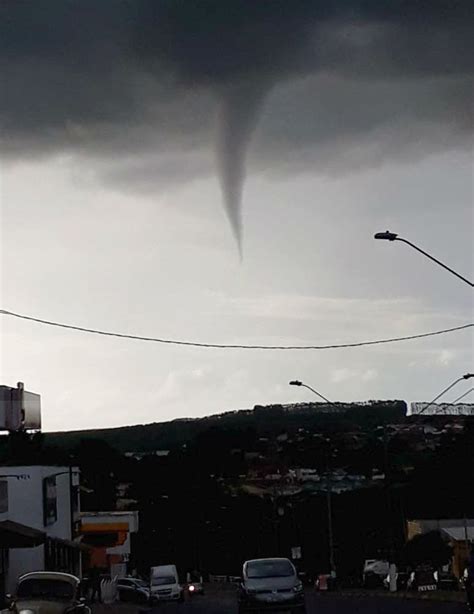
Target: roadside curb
(438, 596)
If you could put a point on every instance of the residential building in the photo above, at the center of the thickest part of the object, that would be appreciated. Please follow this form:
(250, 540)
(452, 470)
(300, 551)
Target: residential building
(39, 506)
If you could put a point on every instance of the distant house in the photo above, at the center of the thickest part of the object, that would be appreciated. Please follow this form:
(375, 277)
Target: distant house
(307, 475)
(273, 477)
(458, 532)
(141, 455)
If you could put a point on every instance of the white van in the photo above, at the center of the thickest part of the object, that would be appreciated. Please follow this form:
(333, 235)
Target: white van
(164, 584)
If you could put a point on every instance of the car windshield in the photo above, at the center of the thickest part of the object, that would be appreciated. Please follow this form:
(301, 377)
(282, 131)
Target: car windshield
(162, 580)
(38, 588)
(269, 569)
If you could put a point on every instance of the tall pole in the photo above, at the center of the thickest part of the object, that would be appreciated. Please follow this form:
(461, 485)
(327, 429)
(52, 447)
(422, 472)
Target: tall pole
(332, 562)
(71, 505)
(443, 392)
(332, 558)
(388, 495)
(276, 521)
(462, 396)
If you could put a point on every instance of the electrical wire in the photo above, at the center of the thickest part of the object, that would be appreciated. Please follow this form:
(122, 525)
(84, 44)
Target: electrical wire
(229, 346)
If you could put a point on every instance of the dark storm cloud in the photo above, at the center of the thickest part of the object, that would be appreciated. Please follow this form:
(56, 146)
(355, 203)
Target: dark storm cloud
(133, 83)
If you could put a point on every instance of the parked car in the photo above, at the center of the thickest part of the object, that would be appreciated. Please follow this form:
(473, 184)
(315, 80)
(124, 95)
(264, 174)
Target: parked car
(374, 573)
(447, 581)
(48, 592)
(133, 590)
(270, 585)
(423, 579)
(164, 584)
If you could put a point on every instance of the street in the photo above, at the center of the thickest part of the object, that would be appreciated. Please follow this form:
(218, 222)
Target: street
(219, 601)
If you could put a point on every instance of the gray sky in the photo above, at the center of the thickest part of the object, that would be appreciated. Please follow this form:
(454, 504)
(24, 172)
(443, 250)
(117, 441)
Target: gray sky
(112, 216)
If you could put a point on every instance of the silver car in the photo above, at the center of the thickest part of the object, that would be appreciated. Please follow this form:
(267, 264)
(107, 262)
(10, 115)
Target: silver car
(133, 590)
(271, 585)
(48, 592)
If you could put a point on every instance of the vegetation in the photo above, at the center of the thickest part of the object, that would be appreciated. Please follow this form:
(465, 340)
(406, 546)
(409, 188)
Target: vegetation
(428, 548)
(196, 503)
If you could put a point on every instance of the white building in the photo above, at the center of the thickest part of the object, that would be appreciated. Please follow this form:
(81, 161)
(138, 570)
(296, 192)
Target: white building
(39, 507)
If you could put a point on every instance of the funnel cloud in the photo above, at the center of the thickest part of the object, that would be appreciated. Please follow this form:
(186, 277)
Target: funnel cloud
(238, 114)
(128, 88)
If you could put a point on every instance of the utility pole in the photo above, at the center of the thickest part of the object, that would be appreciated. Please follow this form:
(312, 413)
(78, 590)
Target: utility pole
(332, 563)
(332, 558)
(71, 502)
(388, 498)
(276, 520)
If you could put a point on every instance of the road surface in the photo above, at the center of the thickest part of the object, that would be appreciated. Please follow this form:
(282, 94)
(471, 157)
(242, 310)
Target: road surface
(224, 602)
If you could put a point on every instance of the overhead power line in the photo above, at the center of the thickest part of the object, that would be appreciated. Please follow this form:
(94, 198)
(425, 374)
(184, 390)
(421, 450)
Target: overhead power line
(231, 346)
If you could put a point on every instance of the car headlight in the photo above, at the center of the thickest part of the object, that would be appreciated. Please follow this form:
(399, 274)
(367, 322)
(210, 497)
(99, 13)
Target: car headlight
(298, 588)
(25, 612)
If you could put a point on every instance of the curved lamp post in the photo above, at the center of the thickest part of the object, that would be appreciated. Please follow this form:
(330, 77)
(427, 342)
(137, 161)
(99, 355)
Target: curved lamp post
(460, 379)
(392, 236)
(296, 382)
(332, 558)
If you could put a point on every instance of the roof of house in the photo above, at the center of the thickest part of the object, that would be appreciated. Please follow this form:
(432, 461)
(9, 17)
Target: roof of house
(458, 534)
(16, 535)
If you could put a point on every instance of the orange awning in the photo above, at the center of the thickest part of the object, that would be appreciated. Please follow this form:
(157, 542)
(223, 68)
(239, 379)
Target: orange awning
(105, 527)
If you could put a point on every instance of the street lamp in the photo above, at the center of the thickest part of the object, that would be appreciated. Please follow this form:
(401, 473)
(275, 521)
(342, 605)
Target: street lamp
(460, 379)
(332, 561)
(392, 236)
(296, 382)
(462, 396)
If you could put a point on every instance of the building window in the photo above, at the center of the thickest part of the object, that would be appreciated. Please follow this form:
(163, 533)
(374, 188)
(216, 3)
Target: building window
(50, 504)
(3, 496)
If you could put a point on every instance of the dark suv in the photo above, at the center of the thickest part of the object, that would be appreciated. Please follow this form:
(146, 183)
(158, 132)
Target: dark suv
(271, 585)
